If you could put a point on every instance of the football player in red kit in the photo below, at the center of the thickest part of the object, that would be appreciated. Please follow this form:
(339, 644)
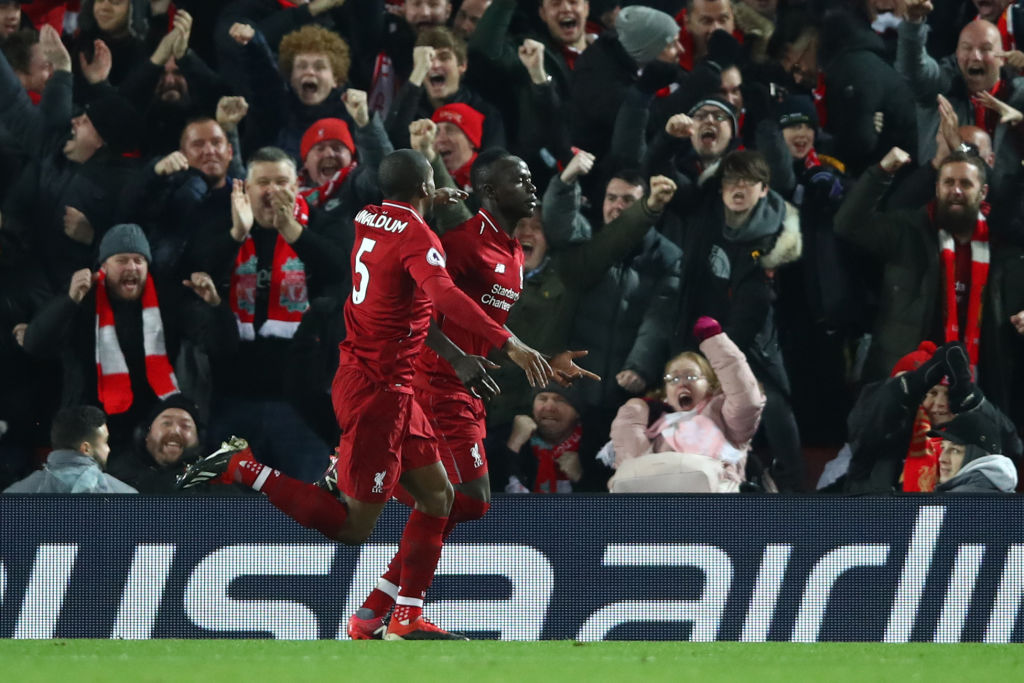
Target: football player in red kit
(399, 279)
(485, 262)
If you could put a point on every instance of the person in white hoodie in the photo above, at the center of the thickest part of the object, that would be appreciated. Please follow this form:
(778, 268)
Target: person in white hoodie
(967, 463)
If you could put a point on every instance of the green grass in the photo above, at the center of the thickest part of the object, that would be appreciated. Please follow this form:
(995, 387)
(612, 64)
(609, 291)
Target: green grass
(259, 661)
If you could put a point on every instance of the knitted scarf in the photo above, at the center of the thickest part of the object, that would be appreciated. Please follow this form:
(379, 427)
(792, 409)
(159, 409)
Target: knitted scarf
(288, 296)
(921, 468)
(113, 383)
(320, 195)
(461, 175)
(1005, 26)
(548, 474)
(986, 118)
(979, 276)
(811, 160)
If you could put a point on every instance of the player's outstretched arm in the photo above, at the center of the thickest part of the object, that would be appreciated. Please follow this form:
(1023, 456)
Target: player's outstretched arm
(566, 371)
(471, 370)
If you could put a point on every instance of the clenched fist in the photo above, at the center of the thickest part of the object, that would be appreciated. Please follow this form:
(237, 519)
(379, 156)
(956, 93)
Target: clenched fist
(81, 282)
(894, 160)
(662, 191)
(356, 106)
(680, 126)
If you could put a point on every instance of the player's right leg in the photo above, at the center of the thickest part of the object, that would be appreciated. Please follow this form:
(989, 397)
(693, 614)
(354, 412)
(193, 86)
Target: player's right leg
(345, 520)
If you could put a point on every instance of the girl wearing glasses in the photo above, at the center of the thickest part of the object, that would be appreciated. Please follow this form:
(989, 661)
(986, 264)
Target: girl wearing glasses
(705, 412)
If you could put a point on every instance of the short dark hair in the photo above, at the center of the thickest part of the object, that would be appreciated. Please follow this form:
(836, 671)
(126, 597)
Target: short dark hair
(631, 176)
(271, 155)
(442, 38)
(961, 157)
(401, 173)
(483, 166)
(746, 164)
(18, 48)
(192, 120)
(75, 425)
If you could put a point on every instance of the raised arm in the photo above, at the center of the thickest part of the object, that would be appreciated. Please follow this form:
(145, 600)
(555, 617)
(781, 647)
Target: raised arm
(924, 75)
(858, 219)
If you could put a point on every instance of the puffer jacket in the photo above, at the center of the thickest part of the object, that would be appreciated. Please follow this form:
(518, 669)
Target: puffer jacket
(722, 429)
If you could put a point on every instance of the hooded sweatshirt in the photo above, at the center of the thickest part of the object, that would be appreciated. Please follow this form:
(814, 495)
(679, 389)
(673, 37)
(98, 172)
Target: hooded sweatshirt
(987, 474)
(68, 471)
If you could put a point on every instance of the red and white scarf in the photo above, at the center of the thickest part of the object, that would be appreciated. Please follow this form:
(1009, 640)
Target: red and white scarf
(1005, 26)
(461, 175)
(113, 383)
(549, 476)
(320, 195)
(979, 276)
(288, 296)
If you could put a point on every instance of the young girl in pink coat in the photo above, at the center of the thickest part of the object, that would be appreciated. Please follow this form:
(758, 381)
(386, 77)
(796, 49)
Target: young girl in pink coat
(711, 406)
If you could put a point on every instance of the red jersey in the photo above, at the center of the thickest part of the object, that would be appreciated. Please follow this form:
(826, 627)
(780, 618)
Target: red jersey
(486, 263)
(398, 270)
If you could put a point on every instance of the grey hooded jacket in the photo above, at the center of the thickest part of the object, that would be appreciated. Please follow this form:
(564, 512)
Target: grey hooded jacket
(68, 471)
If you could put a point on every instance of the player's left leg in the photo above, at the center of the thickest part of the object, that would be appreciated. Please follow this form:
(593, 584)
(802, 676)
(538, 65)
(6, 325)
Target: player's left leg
(460, 429)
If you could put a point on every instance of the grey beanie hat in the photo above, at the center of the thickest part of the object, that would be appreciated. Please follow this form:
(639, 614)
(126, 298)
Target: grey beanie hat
(721, 103)
(644, 32)
(126, 238)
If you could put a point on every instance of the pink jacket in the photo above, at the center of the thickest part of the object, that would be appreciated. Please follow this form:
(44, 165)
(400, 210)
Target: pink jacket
(723, 424)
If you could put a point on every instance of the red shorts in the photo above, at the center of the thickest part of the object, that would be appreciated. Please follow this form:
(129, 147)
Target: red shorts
(383, 433)
(460, 425)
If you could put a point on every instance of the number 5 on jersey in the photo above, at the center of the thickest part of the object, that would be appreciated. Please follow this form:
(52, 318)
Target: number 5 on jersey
(359, 288)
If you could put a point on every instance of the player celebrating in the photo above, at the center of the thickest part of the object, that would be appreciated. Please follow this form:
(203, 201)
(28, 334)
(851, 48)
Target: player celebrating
(486, 262)
(399, 274)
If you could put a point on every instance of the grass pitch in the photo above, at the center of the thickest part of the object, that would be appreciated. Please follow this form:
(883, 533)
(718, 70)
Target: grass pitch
(155, 661)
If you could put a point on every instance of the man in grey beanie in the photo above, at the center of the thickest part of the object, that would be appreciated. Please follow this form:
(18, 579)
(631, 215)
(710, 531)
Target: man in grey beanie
(643, 50)
(648, 34)
(117, 340)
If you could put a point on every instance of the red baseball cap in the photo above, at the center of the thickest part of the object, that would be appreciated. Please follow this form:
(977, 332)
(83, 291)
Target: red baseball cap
(467, 119)
(326, 129)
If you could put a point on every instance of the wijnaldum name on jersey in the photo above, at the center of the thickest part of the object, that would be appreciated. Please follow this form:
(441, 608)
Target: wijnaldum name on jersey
(382, 221)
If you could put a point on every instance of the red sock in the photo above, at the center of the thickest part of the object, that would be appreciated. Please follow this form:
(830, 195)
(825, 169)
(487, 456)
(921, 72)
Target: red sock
(378, 602)
(309, 505)
(419, 551)
(465, 509)
(393, 574)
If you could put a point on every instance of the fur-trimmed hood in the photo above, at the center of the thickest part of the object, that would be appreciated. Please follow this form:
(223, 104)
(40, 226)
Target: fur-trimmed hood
(764, 222)
(789, 246)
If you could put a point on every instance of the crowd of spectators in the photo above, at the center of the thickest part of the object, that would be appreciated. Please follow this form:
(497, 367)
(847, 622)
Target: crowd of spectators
(841, 269)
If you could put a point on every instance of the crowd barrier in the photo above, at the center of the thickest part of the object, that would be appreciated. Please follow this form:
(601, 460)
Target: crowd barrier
(699, 568)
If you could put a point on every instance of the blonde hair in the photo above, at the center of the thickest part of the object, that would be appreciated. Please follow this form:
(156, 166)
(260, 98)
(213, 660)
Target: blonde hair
(697, 359)
(314, 39)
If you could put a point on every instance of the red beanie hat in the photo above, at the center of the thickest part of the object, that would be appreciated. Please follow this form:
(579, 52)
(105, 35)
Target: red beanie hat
(468, 120)
(914, 359)
(326, 129)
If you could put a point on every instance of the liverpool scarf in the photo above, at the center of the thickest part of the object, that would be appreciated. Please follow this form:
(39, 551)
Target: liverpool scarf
(113, 383)
(549, 476)
(288, 297)
(979, 276)
(921, 467)
(318, 196)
